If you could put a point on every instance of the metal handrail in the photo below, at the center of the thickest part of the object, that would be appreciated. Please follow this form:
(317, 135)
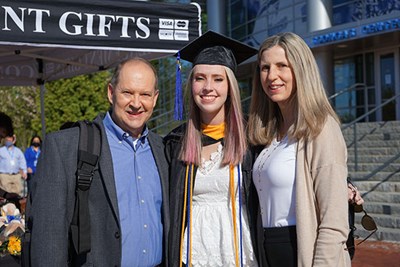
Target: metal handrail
(384, 165)
(351, 88)
(348, 89)
(353, 123)
(369, 112)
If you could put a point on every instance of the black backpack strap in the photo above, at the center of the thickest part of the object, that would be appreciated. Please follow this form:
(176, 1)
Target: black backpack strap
(88, 155)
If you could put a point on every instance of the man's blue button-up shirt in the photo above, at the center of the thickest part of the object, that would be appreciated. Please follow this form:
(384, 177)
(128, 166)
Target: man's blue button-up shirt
(12, 160)
(139, 196)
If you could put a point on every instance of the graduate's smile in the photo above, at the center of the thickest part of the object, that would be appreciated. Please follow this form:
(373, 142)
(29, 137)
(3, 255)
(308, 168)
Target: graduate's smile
(210, 90)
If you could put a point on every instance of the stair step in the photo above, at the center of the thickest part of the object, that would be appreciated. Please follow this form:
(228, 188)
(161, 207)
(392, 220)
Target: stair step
(381, 220)
(373, 127)
(382, 208)
(368, 158)
(378, 186)
(375, 150)
(380, 176)
(388, 197)
(368, 137)
(383, 233)
(375, 143)
(369, 167)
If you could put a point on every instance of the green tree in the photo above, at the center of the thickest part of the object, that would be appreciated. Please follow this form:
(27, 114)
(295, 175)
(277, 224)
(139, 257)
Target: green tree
(19, 103)
(77, 98)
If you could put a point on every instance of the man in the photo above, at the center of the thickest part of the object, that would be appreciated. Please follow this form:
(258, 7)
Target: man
(128, 199)
(12, 167)
(6, 129)
(6, 126)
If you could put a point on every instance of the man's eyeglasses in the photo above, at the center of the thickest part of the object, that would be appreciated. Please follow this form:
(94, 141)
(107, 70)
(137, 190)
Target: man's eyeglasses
(367, 222)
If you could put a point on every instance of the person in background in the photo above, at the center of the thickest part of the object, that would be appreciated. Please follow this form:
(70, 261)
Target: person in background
(32, 155)
(301, 160)
(12, 166)
(128, 197)
(6, 126)
(209, 177)
(6, 129)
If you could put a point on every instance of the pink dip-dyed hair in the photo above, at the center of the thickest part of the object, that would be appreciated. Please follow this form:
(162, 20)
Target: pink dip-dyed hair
(235, 143)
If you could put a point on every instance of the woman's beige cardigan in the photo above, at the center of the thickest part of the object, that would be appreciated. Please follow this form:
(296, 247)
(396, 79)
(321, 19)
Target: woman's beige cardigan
(321, 199)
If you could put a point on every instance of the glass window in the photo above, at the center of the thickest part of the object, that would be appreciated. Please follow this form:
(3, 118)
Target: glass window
(238, 13)
(369, 69)
(345, 102)
(345, 11)
(242, 15)
(253, 20)
(354, 77)
(370, 82)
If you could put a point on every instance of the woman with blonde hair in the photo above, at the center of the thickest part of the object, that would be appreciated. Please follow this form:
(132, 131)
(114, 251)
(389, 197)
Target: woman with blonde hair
(209, 176)
(300, 171)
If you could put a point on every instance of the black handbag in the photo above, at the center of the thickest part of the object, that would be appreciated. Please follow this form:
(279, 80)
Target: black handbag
(350, 239)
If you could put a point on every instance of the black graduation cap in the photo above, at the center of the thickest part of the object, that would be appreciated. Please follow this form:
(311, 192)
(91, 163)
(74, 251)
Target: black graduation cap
(216, 49)
(211, 49)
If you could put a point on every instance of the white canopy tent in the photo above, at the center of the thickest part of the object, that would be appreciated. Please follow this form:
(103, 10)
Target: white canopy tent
(43, 41)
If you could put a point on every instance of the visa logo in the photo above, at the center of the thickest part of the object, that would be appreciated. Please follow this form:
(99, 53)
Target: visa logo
(166, 23)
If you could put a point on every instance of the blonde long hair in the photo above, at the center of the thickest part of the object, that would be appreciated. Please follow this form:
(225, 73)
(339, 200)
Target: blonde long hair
(235, 143)
(310, 104)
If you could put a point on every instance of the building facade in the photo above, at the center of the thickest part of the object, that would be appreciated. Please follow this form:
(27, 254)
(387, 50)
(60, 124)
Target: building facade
(356, 44)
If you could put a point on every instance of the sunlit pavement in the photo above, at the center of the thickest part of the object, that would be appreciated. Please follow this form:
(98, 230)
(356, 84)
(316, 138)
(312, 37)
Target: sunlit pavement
(377, 254)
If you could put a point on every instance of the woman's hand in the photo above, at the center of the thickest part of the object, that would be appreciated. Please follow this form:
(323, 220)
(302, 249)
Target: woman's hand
(354, 195)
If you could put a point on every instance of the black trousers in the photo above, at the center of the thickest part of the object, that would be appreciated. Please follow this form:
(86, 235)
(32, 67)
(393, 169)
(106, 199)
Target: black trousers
(29, 181)
(280, 246)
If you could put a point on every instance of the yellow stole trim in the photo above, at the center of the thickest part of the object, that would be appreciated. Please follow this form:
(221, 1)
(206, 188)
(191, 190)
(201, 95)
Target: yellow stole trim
(191, 212)
(214, 131)
(189, 260)
(183, 218)
(189, 226)
(233, 203)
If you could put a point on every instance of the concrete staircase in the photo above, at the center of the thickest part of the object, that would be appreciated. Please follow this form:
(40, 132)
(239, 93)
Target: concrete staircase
(376, 173)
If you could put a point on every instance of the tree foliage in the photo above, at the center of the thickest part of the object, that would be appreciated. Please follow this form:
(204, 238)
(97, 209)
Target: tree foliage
(19, 103)
(77, 98)
(81, 97)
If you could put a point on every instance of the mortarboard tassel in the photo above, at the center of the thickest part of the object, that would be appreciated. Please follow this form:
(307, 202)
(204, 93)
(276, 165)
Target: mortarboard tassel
(178, 108)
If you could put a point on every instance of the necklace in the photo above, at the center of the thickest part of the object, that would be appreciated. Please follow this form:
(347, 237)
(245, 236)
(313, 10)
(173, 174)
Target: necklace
(263, 161)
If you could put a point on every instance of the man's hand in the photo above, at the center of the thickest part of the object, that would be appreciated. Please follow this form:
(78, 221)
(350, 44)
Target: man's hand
(23, 174)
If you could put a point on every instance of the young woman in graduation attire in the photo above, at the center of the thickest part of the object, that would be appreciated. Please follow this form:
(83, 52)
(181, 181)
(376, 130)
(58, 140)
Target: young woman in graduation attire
(210, 177)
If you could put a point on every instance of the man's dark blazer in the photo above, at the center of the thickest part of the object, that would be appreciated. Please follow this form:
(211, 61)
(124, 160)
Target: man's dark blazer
(52, 201)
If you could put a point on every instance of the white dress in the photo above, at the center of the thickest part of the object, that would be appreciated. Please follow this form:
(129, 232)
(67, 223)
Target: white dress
(212, 228)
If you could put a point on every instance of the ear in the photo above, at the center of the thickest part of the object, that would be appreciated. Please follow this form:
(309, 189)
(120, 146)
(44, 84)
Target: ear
(156, 93)
(110, 93)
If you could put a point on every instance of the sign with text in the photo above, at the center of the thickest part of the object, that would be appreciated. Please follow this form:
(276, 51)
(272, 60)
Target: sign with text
(130, 25)
(48, 40)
